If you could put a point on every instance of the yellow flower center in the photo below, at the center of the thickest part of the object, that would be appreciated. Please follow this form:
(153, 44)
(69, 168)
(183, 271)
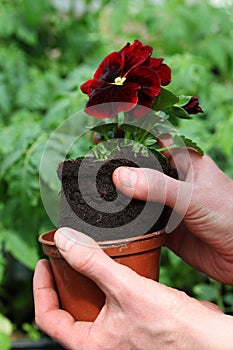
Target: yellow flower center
(119, 81)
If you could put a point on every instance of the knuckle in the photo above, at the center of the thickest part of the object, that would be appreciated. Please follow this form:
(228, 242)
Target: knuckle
(87, 265)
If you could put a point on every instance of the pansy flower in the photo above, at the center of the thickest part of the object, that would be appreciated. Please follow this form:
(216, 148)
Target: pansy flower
(134, 83)
(126, 80)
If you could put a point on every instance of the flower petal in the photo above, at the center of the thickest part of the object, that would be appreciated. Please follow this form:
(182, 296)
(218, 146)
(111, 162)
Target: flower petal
(108, 100)
(147, 78)
(163, 70)
(144, 103)
(164, 73)
(86, 87)
(155, 62)
(134, 55)
(110, 68)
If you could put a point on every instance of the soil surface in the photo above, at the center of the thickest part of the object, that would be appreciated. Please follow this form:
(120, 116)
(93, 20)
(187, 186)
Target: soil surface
(91, 204)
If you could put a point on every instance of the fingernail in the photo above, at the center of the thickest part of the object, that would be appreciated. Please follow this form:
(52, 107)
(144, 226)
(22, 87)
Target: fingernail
(127, 177)
(66, 237)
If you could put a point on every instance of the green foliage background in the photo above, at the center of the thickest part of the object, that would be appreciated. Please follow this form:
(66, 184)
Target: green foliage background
(46, 52)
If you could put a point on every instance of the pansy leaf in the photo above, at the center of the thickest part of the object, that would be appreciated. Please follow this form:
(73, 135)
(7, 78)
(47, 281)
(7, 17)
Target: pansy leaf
(164, 100)
(183, 100)
(134, 130)
(160, 156)
(181, 140)
(129, 128)
(105, 129)
(150, 141)
(178, 112)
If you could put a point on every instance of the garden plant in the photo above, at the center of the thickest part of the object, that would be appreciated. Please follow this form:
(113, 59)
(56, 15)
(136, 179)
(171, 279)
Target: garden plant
(46, 52)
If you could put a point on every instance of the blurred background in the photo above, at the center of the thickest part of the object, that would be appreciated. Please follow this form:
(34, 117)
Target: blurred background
(47, 49)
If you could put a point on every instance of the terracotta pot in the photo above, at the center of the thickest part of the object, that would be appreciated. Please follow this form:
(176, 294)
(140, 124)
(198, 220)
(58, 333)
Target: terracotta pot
(79, 295)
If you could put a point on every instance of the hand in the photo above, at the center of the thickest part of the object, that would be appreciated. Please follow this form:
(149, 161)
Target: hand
(138, 314)
(204, 238)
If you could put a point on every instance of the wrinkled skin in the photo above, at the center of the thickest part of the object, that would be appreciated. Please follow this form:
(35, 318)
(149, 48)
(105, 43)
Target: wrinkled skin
(139, 313)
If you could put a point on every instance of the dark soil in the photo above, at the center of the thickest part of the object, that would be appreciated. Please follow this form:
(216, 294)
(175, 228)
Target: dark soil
(91, 204)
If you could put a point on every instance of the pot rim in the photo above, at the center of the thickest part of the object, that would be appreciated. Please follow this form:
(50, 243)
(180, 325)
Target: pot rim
(114, 248)
(103, 244)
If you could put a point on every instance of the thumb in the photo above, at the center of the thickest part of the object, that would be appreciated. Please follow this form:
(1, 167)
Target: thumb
(87, 257)
(151, 185)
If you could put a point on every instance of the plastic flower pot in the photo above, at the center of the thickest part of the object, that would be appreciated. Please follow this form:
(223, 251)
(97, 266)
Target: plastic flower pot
(79, 295)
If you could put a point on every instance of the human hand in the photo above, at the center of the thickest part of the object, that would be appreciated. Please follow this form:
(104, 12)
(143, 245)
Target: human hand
(204, 238)
(138, 314)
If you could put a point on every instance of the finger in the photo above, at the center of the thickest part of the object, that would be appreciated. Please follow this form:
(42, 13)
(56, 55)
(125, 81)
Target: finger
(211, 306)
(86, 256)
(180, 242)
(151, 185)
(45, 296)
(59, 324)
(43, 288)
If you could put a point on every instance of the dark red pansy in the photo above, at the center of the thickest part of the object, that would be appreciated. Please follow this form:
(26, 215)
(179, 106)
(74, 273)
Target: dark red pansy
(125, 80)
(193, 107)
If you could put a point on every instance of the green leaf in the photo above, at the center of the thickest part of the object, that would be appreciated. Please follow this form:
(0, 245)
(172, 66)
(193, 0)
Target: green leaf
(6, 329)
(6, 326)
(132, 129)
(183, 100)
(31, 330)
(205, 291)
(188, 143)
(150, 141)
(228, 298)
(2, 266)
(21, 249)
(104, 129)
(178, 112)
(26, 35)
(9, 160)
(225, 128)
(5, 341)
(164, 100)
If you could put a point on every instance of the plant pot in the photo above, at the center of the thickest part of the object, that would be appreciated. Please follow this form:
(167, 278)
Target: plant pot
(79, 295)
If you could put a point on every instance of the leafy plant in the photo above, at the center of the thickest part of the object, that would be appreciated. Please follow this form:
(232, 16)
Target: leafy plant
(130, 82)
(45, 55)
